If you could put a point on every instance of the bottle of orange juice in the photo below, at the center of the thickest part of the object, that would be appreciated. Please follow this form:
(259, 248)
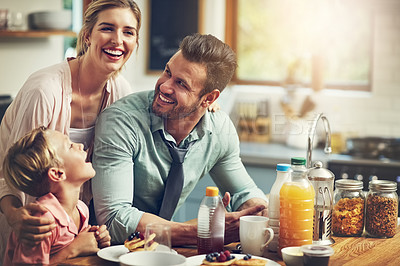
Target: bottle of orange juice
(296, 207)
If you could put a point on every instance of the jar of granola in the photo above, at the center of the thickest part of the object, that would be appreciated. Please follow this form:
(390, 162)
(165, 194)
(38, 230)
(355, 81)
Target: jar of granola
(381, 209)
(348, 208)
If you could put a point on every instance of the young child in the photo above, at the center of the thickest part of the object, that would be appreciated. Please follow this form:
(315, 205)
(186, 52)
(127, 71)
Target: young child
(47, 165)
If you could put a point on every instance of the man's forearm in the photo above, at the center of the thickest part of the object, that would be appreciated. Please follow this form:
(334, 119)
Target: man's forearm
(183, 234)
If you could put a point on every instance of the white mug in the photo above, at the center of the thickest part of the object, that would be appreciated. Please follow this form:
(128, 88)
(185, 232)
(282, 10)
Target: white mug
(255, 235)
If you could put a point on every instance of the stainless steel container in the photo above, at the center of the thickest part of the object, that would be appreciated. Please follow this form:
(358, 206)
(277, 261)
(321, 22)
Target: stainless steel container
(322, 180)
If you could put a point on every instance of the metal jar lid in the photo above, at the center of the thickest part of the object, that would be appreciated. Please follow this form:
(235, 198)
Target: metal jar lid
(319, 173)
(349, 184)
(383, 185)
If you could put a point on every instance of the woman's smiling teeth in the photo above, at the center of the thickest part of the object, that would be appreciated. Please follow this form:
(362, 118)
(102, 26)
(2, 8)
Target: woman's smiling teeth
(165, 99)
(113, 52)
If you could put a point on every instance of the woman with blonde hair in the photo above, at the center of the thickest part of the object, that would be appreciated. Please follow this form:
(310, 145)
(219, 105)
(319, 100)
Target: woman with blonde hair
(68, 97)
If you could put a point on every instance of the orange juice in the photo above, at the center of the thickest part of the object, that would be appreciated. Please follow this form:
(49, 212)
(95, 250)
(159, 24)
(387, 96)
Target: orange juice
(296, 211)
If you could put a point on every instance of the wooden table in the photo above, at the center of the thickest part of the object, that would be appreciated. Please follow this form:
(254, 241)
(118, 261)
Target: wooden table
(348, 251)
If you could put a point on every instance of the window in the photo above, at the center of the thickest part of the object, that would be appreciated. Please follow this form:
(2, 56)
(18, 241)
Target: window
(315, 43)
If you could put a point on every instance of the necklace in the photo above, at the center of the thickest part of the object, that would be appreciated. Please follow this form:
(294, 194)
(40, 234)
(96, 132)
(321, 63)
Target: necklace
(79, 90)
(103, 98)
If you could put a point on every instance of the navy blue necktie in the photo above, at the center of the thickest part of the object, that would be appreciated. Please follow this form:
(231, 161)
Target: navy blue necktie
(175, 179)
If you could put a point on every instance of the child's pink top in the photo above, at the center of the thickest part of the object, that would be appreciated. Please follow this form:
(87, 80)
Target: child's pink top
(62, 235)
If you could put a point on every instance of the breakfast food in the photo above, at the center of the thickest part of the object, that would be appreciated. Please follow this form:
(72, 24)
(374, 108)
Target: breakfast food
(136, 242)
(248, 260)
(381, 215)
(219, 258)
(225, 258)
(348, 217)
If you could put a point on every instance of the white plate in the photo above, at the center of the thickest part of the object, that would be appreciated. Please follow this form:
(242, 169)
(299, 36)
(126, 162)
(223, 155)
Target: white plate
(114, 252)
(197, 260)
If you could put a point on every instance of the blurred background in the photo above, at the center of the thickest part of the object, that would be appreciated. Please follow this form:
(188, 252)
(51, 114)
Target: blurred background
(296, 59)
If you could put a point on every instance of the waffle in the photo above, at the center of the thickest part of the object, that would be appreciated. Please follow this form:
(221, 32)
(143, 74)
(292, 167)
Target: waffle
(137, 244)
(252, 262)
(216, 263)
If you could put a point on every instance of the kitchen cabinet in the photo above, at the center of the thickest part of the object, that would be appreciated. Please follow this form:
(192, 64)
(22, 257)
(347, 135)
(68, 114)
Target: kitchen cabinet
(36, 33)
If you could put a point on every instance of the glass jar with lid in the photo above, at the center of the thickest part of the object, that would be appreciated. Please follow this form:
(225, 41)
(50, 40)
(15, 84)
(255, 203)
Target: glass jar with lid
(381, 209)
(348, 208)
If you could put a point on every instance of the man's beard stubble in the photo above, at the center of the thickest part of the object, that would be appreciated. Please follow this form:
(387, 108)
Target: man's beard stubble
(177, 112)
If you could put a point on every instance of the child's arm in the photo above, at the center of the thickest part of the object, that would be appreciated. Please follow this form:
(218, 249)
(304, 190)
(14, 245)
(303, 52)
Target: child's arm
(102, 235)
(84, 244)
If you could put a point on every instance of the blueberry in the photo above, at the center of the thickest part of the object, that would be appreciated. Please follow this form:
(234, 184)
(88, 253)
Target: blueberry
(249, 255)
(131, 237)
(216, 254)
(246, 257)
(209, 258)
(137, 234)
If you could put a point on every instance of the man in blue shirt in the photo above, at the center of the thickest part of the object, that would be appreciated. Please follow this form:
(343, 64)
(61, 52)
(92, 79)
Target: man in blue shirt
(132, 160)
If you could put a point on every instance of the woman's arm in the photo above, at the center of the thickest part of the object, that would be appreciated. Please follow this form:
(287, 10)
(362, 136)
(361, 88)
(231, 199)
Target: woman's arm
(28, 228)
(28, 110)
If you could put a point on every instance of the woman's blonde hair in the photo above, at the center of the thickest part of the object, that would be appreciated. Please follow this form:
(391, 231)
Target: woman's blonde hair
(27, 162)
(92, 14)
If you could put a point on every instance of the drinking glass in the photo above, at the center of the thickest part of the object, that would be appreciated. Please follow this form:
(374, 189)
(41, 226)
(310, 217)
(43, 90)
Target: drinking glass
(15, 20)
(158, 234)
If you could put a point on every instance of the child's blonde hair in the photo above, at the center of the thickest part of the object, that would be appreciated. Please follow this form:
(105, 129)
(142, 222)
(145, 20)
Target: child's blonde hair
(27, 162)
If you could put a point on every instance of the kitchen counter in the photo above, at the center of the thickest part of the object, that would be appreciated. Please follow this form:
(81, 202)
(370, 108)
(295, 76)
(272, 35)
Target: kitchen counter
(348, 251)
(270, 154)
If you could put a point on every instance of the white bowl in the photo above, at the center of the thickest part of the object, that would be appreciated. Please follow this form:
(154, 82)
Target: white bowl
(152, 258)
(292, 256)
(51, 20)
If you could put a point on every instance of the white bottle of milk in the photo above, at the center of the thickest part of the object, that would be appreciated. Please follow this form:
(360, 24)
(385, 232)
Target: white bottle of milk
(282, 174)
